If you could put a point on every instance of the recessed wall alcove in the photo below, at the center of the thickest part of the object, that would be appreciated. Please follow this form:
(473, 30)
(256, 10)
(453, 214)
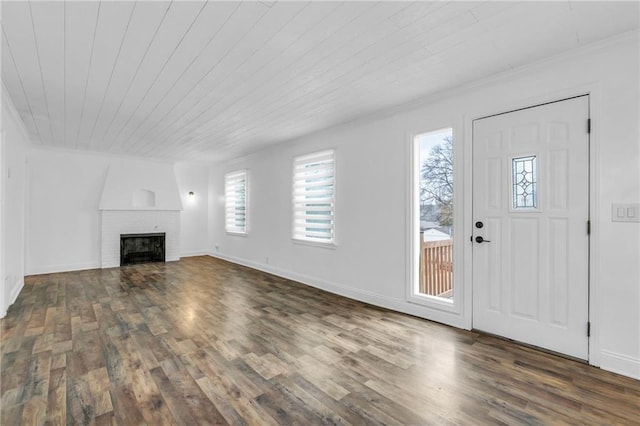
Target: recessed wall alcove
(144, 198)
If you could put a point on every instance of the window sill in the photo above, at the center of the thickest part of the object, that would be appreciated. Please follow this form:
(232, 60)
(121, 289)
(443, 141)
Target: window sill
(330, 246)
(434, 302)
(236, 234)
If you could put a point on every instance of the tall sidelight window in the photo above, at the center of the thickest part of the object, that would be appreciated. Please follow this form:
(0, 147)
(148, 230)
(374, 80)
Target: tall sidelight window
(235, 202)
(435, 203)
(314, 197)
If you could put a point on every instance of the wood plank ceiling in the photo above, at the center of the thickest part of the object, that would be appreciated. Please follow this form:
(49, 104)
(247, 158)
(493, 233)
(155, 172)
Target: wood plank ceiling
(212, 80)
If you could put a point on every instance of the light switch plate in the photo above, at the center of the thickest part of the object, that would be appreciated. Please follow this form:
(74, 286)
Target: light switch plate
(625, 212)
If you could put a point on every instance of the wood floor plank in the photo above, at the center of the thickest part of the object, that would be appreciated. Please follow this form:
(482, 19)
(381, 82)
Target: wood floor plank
(125, 406)
(217, 396)
(11, 415)
(174, 400)
(333, 404)
(102, 403)
(36, 381)
(106, 419)
(237, 380)
(80, 404)
(34, 411)
(188, 391)
(57, 397)
(322, 413)
(204, 341)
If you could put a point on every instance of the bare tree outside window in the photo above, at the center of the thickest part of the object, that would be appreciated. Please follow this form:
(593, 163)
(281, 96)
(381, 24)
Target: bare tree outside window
(436, 183)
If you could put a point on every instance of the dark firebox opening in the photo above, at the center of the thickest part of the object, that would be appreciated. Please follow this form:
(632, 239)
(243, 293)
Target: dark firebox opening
(141, 248)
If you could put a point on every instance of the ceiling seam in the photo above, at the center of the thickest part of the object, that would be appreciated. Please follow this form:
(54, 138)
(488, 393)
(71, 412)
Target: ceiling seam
(297, 60)
(273, 59)
(115, 139)
(216, 65)
(306, 94)
(44, 89)
(135, 75)
(187, 68)
(115, 64)
(264, 98)
(275, 111)
(15, 66)
(84, 97)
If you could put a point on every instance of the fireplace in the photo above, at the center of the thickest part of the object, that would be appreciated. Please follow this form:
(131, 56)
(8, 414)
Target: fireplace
(142, 248)
(133, 223)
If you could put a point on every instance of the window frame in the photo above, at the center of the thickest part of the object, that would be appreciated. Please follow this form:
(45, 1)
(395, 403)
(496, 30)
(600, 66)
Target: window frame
(312, 158)
(236, 231)
(436, 308)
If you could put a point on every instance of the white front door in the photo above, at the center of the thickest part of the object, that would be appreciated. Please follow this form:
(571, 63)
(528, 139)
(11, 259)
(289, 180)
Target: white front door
(531, 208)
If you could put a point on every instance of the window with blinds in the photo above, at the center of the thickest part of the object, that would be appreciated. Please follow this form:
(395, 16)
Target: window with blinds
(235, 200)
(313, 197)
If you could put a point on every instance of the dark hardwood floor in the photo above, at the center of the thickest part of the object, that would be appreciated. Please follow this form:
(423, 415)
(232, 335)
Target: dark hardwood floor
(203, 341)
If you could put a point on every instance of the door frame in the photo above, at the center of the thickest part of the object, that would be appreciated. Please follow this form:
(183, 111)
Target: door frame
(577, 212)
(3, 307)
(593, 92)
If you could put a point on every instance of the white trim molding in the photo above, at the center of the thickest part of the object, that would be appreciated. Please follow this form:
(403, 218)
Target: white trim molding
(67, 267)
(445, 311)
(13, 296)
(194, 253)
(620, 364)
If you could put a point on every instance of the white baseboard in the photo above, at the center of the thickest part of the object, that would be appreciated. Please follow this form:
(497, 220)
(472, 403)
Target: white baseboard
(13, 295)
(16, 291)
(393, 304)
(53, 269)
(194, 253)
(620, 364)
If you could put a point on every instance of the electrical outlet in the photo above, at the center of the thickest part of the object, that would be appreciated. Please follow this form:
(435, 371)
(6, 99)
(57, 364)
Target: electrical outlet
(625, 212)
(266, 260)
(217, 247)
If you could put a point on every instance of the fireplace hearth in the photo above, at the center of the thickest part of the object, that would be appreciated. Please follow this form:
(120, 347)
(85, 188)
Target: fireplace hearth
(142, 248)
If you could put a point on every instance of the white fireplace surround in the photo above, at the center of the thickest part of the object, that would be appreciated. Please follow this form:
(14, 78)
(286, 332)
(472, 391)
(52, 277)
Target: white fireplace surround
(139, 198)
(116, 222)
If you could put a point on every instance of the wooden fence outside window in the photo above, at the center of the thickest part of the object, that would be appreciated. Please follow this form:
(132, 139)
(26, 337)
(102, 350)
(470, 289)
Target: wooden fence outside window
(436, 268)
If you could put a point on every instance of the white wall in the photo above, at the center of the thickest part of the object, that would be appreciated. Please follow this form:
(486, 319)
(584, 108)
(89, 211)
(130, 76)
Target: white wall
(194, 216)
(127, 176)
(13, 165)
(64, 225)
(372, 196)
(63, 228)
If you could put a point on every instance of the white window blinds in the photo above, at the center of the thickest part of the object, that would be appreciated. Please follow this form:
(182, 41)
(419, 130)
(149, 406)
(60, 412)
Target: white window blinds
(235, 198)
(313, 197)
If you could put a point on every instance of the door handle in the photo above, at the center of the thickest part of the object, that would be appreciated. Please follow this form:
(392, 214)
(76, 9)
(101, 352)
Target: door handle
(479, 239)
